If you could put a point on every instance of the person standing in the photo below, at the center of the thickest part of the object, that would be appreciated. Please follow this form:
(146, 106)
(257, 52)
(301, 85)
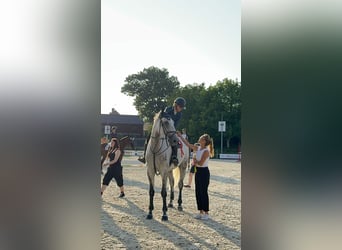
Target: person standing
(175, 112)
(202, 176)
(193, 166)
(115, 169)
(113, 133)
(185, 136)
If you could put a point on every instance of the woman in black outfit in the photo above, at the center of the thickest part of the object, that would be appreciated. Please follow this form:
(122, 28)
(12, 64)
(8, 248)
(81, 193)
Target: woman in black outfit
(202, 177)
(115, 168)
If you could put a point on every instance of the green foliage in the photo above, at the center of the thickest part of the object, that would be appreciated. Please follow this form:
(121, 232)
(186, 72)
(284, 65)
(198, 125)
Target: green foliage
(150, 87)
(154, 89)
(206, 107)
(191, 117)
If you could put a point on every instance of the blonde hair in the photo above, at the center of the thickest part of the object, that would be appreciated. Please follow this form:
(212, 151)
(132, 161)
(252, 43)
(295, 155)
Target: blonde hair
(209, 142)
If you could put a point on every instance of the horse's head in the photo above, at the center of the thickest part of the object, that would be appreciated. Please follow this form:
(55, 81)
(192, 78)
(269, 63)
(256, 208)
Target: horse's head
(126, 140)
(164, 126)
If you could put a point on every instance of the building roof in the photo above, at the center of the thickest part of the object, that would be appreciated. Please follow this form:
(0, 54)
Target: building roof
(121, 119)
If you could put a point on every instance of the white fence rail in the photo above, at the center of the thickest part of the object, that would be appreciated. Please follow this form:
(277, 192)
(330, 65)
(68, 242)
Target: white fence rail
(221, 156)
(134, 153)
(230, 156)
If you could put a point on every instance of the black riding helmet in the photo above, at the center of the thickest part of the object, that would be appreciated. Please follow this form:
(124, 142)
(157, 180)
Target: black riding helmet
(181, 102)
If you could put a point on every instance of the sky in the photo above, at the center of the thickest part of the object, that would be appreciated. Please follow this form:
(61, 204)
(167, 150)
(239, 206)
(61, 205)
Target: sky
(197, 41)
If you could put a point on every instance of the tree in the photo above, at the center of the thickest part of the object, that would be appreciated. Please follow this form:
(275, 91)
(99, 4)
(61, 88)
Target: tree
(151, 89)
(193, 94)
(225, 101)
(206, 106)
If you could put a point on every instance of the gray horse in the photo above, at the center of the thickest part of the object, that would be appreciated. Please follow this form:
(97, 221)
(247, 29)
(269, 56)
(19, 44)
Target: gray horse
(158, 155)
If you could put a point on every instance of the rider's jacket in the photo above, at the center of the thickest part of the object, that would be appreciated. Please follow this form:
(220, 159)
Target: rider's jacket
(175, 116)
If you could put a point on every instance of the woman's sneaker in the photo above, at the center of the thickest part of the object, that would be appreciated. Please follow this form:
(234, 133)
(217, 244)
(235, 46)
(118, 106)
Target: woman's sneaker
(205, 217)
(198, 216)
(122, 195)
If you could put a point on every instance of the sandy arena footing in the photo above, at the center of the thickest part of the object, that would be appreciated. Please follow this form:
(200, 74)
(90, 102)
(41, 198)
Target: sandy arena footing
(124, 223)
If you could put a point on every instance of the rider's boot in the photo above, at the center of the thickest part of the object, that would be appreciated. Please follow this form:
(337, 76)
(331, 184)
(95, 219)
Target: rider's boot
(142, 159)
(174, 158)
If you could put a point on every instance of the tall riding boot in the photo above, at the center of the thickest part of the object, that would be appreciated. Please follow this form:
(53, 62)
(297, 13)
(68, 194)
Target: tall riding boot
(174, 158)
(142, 159)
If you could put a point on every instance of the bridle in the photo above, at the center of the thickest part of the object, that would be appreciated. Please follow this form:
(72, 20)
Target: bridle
(159, 150)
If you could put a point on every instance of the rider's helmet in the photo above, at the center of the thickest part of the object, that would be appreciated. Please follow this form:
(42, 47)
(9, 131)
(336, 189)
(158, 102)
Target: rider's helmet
(180, 101)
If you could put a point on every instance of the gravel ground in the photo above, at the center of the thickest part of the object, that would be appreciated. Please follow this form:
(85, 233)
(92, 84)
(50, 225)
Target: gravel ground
(124, 223)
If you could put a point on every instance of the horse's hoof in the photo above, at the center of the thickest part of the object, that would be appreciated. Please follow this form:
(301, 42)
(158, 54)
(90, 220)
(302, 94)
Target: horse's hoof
(180, 208)
(164, 218)
(149, 216)
(170, 205)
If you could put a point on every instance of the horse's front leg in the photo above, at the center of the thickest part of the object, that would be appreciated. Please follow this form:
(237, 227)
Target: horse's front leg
(163, 194)
(180, 186)
(151, 193)
(172, 193)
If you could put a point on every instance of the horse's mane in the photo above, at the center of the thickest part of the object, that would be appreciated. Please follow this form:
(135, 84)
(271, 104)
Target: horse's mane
(124, 138)
(122, 144)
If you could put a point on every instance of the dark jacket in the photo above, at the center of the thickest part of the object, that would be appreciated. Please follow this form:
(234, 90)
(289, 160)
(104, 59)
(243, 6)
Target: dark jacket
(113, 135)
(175, 117)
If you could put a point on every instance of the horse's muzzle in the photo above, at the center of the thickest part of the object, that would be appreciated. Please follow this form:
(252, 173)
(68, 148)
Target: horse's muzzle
(173, 139)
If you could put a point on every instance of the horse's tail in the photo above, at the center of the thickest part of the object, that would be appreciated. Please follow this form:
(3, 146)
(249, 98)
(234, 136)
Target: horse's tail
(176, 175)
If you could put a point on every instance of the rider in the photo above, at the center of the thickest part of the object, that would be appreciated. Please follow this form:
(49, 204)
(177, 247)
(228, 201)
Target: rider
(175, 112)
(114, 134)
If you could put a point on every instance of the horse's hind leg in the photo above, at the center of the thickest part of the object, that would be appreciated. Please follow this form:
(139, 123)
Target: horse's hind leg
(163, 194)
(172, 193)
(151, 193)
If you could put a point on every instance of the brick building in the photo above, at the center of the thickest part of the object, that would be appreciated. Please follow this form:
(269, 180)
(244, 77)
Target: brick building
(130, 125)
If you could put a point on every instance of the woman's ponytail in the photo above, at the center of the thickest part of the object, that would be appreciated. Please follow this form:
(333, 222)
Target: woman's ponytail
(209, 143)
(211, 148)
